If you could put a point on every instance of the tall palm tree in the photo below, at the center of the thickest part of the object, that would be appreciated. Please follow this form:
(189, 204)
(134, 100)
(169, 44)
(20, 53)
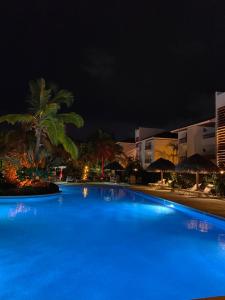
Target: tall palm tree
(44, 118)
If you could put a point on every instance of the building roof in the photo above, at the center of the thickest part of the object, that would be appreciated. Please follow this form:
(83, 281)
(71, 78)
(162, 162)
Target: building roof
(166, 134)
(162, 135)
(206, 123)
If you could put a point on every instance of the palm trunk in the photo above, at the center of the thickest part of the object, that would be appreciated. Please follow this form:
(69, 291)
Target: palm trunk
(37, 146)
(103, 163)
(161, 176)
(197, 180)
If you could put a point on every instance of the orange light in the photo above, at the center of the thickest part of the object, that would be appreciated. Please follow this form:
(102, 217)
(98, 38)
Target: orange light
(85, 173)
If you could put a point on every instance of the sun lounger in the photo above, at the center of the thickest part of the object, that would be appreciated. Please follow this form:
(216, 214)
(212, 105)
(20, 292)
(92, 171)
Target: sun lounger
(196, 193)
(69, 179)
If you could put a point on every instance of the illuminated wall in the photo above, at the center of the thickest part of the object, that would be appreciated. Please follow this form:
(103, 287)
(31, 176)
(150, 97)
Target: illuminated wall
(165, 148)
(220, 126)
(156, 147)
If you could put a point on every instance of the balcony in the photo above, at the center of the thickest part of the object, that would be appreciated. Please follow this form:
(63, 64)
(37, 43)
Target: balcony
(182, 140)
(148, 147)
(147, 160)
(208, 135)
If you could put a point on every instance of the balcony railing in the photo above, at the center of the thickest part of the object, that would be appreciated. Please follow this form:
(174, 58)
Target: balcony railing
(148, 147)
(183, 140)
(208, 135)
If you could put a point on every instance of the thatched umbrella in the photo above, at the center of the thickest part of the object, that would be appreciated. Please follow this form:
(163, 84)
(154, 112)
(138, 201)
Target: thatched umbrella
(197, 164)
(161, 165)
(114, 166)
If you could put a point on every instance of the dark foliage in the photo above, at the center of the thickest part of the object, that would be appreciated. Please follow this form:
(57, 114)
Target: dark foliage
(32, 173)
(133, 168)
(183, 180)
(41, 189)
(220, 185)
(4, 185)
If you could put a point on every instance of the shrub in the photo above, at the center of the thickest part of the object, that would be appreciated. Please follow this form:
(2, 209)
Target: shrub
(133, 168)
(73, 171)
(32, 174)
(4, 184)
(183, 180)
(220, 186)
(38, 189)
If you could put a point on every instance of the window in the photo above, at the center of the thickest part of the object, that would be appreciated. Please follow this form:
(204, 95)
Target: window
(183, 140)
(148, 145)
(147, 157)
(208, 135)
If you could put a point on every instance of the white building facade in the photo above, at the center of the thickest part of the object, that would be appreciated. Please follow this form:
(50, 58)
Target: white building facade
(198, 138)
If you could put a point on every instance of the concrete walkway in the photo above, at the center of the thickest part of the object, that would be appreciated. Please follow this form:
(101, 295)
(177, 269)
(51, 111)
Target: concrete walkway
(210, 205)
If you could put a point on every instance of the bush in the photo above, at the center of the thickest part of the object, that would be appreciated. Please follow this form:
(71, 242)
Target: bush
(220, 187)
(38, 189)
(4, 184)
(183, 180)
(147, 177)
(32, 174)
(73, 171)
(133, 168)
(46, 188)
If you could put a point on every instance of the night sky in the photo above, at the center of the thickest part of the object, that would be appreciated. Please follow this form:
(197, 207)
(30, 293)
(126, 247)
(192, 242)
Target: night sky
(129, 63)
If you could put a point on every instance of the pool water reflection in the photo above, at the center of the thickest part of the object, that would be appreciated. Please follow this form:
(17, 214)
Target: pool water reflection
(107, 243)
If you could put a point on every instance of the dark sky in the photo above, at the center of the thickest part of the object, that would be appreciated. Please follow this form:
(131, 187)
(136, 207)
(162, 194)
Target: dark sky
(129, 63)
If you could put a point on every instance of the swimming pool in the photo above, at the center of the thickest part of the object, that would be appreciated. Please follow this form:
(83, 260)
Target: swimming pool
(104, 243)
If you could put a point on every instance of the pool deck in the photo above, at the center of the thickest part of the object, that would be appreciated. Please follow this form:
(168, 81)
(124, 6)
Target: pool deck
(213, 206)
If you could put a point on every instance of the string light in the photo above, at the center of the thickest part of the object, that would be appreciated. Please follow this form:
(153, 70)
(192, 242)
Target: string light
(85, 173)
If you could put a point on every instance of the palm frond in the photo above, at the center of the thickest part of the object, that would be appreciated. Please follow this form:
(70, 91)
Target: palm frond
(71, 118)
(34, 96)
(45, 94)
(39, 95)
(63, 97)
(16, 118)
(51, 128)
(50, 109)
(69, 146)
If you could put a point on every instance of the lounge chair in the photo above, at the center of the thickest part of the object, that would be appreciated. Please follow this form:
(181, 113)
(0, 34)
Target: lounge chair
(70, 179)
(208, 189)
(189, 191)
(198, 193)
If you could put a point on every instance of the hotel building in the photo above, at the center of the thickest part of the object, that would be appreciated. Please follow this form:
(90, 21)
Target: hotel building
(206, 138)
(153, 143)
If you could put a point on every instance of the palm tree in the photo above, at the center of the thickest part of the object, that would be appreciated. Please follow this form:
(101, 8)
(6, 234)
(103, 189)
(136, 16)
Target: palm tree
(174, 148)
(44, 118)
(102, 147)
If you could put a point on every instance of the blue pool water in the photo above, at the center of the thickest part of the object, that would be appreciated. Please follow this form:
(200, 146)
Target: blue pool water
(108, 243)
